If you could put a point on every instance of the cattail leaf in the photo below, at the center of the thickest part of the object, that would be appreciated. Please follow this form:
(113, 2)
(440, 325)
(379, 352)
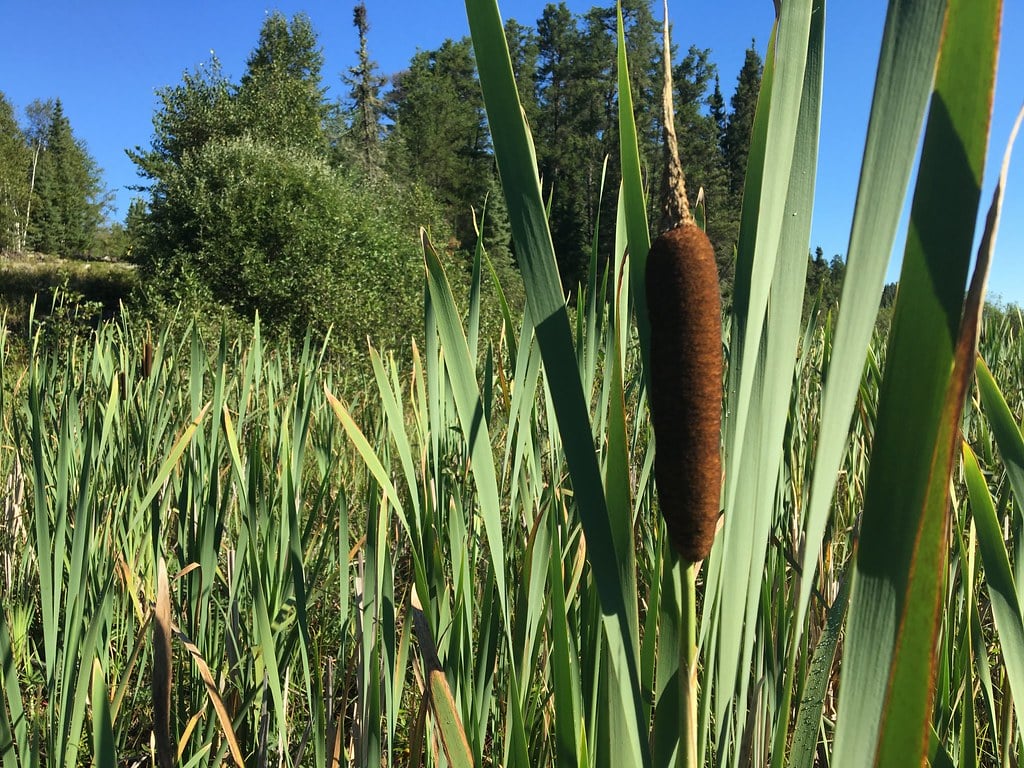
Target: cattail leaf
(903, 81)
(513, 148)
(1007, 434)
(1003, 595)
(104, 750)
(633, 200)
(808, 719)
(469, 404)
(13, 726)
(888, 660)
(223, 718)
(163, 665)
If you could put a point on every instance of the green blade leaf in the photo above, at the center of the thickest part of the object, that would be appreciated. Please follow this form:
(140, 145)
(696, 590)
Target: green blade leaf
(889, 657)
(1007, 434)
(1005, 600)
(903, 82)
(513, 148)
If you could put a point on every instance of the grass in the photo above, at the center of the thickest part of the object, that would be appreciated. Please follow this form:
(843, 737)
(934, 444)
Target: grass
(461, 562)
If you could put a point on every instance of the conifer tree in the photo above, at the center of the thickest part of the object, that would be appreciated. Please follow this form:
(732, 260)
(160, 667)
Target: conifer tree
(15, 162)
(716, 108)
(364, 95)
(69, 198)
(575, 93)
(700, 146)
(439, 138)
(741, 119)
(522, 47)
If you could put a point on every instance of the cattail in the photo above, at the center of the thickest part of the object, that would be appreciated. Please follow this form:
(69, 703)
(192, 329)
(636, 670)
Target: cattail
(147, 359)
(684, 309)
(686, 385)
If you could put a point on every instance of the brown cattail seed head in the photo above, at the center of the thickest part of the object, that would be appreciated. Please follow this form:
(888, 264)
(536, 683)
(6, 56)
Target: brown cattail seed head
(147, 359)
(686, 385)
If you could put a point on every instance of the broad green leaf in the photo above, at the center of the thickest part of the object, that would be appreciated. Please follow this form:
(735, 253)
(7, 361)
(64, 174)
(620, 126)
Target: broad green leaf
(1004, 428)
(104, 753)
(888, 662)
(1003, 594)
(903, 82)
(513, 148)
(632, 199)
(469, 404)
(808, 719)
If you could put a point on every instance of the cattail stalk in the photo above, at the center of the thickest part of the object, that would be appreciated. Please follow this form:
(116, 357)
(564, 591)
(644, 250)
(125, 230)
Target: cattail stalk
(684, 307)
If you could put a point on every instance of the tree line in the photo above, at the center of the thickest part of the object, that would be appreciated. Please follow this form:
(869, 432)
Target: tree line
(263, 194)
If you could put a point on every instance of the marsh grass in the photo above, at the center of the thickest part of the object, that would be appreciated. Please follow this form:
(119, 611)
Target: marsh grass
(461, 562)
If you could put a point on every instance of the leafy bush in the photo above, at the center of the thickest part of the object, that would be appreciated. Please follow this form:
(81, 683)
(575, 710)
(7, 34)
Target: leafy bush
(280, 232)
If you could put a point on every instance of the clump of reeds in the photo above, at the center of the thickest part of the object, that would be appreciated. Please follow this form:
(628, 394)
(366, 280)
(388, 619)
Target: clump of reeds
(684, 308)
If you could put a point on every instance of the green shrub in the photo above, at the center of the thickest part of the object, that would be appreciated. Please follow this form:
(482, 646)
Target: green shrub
(264, 229)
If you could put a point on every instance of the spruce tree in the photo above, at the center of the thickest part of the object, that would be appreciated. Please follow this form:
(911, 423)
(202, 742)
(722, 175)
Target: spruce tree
(365, 101)
(741, 119)
(716, 109)
(68, 193)
(699, 133)
(574, 93)
(522, 47)
(439, 138)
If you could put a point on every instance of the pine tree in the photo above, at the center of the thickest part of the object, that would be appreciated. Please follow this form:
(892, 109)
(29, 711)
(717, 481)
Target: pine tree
(68, 193)
(364, 96)
(698, 130)
(522, 47)
(496, 226)
(575, 93)
(716, 109)
(439, 138)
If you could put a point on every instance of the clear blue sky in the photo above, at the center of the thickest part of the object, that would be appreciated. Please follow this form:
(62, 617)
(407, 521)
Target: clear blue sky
(105, 59)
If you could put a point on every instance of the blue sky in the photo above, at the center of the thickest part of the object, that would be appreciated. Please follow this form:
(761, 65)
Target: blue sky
(105, 60)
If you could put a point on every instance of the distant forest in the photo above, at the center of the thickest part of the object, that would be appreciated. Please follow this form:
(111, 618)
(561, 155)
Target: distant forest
(264, 195)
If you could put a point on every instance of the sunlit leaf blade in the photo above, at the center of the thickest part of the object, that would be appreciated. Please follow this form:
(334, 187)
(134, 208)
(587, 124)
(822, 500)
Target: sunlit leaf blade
(1005, 600)
(13, 727)
(104, 753)
(1007, 434)
(889, 661)
(513, 148)
(903, 83)
(469, 404)
(634, 204)
(808, 719)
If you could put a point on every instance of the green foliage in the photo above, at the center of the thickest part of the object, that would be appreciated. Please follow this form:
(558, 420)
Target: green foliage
(365, 103)
(736, 140)
(574, 85)
(198, 109)
(439, 139)
(15, 165)
(700, 118)
(277, 231)
(280, 99)
(523, 51)
(248, 214)
(68, 196)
